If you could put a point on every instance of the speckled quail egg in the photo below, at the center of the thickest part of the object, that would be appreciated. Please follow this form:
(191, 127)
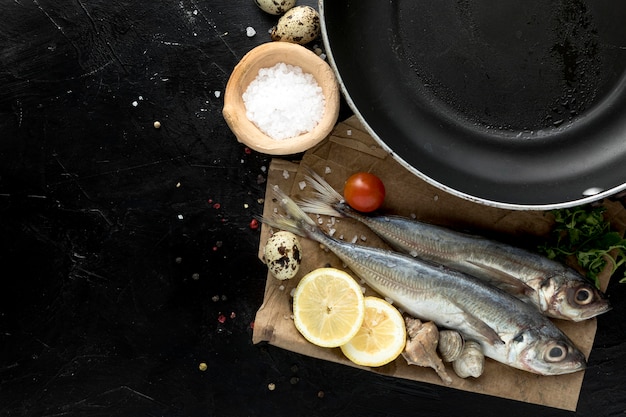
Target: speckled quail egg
(300, 24)
(283, 254)
(275, 7)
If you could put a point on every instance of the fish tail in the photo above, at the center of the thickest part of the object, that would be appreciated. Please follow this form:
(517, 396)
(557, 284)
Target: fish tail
(326, 200)
(295, 221)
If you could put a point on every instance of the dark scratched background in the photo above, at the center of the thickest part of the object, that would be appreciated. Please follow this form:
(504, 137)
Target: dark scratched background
(126, 252)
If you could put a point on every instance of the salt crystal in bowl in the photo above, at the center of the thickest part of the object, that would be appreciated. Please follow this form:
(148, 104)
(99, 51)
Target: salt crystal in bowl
(267, 56)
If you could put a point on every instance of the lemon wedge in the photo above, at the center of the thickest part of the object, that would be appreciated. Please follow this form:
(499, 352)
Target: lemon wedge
(381, 338)
(328, 307)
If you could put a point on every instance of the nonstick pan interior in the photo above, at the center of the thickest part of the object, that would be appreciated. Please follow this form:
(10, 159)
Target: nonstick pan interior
(513, 104)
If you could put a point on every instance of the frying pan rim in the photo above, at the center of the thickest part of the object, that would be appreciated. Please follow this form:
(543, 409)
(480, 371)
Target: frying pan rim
(596, 196)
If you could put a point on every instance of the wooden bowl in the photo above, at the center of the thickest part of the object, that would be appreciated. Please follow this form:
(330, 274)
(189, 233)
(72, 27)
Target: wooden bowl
(265, 56)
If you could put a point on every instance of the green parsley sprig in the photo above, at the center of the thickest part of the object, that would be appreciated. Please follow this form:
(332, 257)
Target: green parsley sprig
(585, 233)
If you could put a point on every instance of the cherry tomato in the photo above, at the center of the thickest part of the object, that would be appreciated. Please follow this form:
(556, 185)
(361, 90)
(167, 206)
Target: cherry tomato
(364, 192)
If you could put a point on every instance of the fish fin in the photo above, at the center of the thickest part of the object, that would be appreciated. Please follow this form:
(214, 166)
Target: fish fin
(291, 208)
(504, 281)
(312, 205)
(483, 328)
(325, 197)
(295, 221)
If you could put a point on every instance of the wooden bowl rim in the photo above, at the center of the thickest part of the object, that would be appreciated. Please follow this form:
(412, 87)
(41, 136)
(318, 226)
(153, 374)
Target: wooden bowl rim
(264, 56)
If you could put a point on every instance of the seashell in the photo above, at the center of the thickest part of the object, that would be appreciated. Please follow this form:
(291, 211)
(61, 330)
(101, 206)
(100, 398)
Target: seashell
(421, 347)
(413, 326)
(450, 345)
(471, 362)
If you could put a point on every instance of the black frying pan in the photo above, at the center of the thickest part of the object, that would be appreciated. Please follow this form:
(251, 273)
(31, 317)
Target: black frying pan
(515, 104)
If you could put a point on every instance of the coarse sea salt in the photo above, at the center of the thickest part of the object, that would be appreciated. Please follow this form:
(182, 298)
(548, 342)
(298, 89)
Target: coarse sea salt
(283, 101)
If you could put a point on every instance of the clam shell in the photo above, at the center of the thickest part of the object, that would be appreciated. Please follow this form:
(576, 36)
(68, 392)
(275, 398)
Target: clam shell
(471, 362)
(450, 345)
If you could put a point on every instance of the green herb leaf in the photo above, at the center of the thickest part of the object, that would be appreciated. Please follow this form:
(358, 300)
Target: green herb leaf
(585, 233)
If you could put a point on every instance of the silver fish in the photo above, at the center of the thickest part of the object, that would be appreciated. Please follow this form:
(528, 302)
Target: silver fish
(557, 290)
(509, 330)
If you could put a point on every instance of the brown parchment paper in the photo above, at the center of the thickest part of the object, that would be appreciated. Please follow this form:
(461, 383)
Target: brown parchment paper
(349, 149)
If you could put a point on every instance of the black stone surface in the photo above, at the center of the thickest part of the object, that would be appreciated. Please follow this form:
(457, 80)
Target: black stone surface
(126, 253)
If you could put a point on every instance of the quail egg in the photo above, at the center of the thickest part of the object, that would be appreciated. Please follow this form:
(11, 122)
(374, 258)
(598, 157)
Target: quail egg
(300, 24)
(283, 254)
(275, 7)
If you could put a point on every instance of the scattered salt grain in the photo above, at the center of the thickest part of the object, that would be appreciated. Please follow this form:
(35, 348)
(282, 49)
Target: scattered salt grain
(283, 101)
(327, 170)
(285, 174)
(302, 185)
(349, 132)
(354, 239)
(250, 32)
(217, 94)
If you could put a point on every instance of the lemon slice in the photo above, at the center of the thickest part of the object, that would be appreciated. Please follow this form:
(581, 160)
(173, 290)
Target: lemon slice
(381, 338)
(328, 307)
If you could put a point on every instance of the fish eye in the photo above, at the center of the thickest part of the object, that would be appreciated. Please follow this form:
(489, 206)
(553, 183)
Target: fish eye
(556, 353)
(583, 296)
